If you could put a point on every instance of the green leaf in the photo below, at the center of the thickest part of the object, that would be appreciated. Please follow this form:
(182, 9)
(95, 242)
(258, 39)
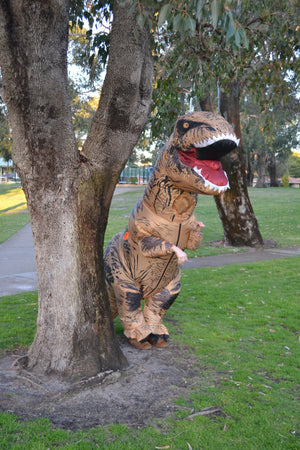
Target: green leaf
(178, 23)
(190, 25)
(231, 28)
(215, 12)
(244, 37)
(141, 21)
(237, 39)
(199, 9)
(164, 14)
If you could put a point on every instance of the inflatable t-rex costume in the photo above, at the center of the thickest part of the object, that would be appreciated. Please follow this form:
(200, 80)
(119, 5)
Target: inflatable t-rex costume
(144, 261)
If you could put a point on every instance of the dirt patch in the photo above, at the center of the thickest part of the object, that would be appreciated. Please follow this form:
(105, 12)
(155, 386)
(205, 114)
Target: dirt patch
(145, 391)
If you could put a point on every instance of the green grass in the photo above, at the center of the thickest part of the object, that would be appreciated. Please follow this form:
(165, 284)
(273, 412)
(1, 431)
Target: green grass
(277, 211)
(17, 320)
(13, 210)
(242, 322)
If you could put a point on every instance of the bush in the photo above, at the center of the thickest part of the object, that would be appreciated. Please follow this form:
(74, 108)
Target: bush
(285, 179)
(133, 180)
(295, 165)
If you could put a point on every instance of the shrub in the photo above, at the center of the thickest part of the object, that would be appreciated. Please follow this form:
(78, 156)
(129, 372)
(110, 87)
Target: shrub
(285, 179)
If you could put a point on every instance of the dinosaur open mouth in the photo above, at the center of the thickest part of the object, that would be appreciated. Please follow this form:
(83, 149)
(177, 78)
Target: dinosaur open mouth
(210, 170)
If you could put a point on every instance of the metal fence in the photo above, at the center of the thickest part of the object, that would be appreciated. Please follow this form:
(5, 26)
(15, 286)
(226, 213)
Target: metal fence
(135, 175)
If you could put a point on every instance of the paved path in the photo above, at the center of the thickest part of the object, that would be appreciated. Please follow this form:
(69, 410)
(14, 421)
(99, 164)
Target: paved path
(18, 270)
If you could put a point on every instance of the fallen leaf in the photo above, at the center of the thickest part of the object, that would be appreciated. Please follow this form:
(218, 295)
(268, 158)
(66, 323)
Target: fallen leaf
(189, 446)
(166, 446)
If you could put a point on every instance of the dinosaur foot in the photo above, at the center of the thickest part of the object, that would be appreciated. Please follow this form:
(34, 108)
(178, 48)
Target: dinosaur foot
(140, 345)
(158, 340)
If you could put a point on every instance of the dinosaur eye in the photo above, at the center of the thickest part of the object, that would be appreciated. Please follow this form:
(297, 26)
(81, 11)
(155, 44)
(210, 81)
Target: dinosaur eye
(186, 125)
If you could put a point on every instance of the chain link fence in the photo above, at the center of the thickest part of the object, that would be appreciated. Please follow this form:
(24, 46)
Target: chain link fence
(135, 175)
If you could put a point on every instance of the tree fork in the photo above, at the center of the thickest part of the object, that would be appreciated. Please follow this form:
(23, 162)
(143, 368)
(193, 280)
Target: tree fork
(68, 195)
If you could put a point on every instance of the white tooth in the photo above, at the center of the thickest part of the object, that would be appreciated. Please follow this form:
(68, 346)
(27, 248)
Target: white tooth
(214, 139)
(211, 185)
(198, 171)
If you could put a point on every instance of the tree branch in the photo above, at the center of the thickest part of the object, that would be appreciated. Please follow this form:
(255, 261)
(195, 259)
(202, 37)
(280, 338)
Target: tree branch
(126, 96)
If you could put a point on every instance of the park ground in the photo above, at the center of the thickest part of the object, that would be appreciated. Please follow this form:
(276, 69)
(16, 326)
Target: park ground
(229, 379)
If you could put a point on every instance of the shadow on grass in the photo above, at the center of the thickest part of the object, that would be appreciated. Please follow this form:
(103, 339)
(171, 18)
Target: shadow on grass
(11, 208)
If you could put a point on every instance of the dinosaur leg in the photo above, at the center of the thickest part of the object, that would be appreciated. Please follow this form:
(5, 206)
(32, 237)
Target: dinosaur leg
(155, 309)
(128, 299)
(112, 301)
(124, 294)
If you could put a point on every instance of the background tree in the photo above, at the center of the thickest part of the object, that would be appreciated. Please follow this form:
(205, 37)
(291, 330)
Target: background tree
(5, 135)
(83, 110)
(239, 45)
(294, 165)
(69, 193)
(269, 136)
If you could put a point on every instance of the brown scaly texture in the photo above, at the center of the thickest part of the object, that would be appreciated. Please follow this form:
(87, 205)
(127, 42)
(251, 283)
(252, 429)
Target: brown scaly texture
(144, 261)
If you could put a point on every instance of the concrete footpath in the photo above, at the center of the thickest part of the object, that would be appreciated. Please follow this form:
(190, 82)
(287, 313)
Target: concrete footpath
(18, 270)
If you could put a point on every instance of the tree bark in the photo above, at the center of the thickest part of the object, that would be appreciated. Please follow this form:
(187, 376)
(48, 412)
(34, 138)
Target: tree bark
(249, 172)
(234, 206)
(272, 170)
(206, 102)
(69, 193)
(261, 171)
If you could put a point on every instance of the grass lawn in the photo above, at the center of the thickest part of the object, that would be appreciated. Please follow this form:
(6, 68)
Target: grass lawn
(277, 211)
(13, 210)
(241, 321)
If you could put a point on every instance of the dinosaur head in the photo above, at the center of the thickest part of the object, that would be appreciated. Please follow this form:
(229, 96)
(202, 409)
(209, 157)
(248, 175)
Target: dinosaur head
(199, 141)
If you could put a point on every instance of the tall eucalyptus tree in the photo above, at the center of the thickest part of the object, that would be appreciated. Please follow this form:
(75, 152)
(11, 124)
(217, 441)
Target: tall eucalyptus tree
(68, 192)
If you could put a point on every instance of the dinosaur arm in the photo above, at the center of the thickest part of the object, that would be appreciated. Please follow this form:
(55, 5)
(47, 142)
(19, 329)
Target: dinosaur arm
(155, 247)
(181, 255)
(145, 227)
(152, 246)
(195, 236)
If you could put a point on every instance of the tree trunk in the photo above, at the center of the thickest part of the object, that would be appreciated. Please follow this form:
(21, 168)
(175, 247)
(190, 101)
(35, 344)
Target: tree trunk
(234, 207)
(261, 171)
(249, 173)
(272, 170)
(206, 102)
(69, 194)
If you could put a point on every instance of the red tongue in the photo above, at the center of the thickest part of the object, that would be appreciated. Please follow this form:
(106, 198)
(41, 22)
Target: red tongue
(190, 159)
(211, 169)
(213, 165)
(215, 176)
